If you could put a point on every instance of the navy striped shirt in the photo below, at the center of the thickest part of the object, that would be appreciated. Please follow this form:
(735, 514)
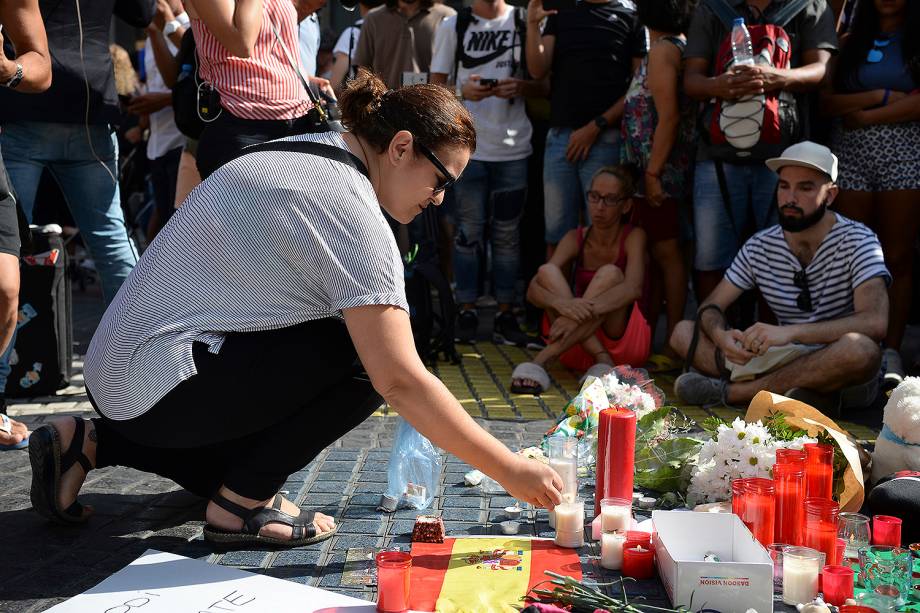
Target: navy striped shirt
(270, 240)
(848, 256)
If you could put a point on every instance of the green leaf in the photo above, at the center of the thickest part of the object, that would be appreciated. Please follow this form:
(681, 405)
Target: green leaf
(711, 424)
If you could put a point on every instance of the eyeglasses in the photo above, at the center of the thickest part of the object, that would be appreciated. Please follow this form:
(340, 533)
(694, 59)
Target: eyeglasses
(448, 179)
(609, 200)
(803, 301)
(877, 53)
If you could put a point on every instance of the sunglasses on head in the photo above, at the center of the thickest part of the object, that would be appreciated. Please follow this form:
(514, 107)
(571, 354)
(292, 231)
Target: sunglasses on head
(447, 180)
(877, 52)
(803, 300)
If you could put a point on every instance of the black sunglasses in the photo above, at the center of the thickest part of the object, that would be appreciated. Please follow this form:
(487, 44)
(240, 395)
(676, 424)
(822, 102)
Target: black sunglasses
(608, 200)
(448, 179)
(803, 301)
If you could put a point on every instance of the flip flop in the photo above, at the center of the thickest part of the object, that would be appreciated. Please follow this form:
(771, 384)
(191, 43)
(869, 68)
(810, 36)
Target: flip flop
(304, 532)
(532, 371)
(48, 465)
(6, 425)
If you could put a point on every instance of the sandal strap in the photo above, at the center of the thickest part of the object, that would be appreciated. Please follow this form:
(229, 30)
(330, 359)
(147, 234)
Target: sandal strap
(231, 507)
(74, 454)
(256, 519)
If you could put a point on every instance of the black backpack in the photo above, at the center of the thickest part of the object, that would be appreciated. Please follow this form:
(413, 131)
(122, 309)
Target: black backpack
(465, 17)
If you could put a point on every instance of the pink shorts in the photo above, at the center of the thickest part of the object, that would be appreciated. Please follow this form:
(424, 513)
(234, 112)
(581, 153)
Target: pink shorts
(633, 348)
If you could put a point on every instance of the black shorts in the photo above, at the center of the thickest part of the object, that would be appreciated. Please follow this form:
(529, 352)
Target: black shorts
(10, 241)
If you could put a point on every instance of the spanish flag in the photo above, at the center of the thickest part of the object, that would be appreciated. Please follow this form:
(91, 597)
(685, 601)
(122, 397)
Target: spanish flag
(483, 575)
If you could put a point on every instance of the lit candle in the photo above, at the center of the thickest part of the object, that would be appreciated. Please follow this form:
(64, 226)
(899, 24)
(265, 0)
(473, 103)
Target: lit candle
(819, 470)
(612, 550)
(568, 472)
(801, 567)
(638, 562)
(616, 514)
(570, 516)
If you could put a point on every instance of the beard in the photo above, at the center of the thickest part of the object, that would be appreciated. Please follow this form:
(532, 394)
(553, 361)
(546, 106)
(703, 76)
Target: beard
(801, 222)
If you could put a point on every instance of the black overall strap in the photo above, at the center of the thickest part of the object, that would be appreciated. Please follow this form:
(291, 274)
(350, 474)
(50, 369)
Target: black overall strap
(301, 146)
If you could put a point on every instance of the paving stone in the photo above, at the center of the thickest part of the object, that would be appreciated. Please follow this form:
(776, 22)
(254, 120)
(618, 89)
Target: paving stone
(343, 455)
(244, 558)
(333, 465)
(461, 514)
(362, 512)
(328, 487)
(359, 526)
(461, 502)
(364, 500)
(370, 488)
(356, 541)
(401, 527)
(297, 557)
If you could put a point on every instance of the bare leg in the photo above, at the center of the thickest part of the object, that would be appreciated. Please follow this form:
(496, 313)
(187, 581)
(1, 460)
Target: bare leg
(897, 229)
(187, 179)
(704, 359)
(221, 518)
(72, 480)
(853, 359)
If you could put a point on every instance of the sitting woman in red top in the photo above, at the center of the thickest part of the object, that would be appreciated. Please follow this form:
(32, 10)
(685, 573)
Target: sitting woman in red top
(590, 290)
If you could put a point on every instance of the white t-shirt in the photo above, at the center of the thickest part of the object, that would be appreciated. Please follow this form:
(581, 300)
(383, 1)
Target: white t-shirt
(308, 35)
(345, 44)
(164, 135)
(503, 130)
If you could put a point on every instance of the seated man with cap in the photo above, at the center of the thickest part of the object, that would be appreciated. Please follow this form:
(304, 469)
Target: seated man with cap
(825, 279)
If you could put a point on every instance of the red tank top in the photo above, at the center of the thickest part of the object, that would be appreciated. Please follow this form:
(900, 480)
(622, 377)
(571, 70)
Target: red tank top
(582, 275)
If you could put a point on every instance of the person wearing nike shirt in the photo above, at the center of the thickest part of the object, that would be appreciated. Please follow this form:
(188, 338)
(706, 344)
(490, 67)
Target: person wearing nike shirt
(483, 59)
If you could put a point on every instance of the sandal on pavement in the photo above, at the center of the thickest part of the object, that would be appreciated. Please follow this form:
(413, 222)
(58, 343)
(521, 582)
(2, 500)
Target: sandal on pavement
(304, 532)
(49, 465)
(532, 371)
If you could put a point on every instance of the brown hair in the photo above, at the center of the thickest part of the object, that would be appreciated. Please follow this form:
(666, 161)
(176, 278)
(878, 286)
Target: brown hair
(126, 81)
(431, 113)
(626, 174)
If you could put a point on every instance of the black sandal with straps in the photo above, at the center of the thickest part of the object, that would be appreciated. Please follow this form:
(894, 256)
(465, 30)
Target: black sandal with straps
(48, 466)
(304, 532)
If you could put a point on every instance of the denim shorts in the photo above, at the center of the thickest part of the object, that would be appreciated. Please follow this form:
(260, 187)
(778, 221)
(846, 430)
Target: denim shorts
(565, 183)
(719, 236)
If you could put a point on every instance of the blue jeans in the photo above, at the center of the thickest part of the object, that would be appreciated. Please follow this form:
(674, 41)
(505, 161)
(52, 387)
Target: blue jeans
(490, 199)
(565, 183)
(752, 191)
(88, 185)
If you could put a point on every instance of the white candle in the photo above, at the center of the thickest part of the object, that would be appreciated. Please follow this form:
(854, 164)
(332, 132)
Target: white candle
(800, 579)
(570, 516)
(612, 549)
(615, 518)
(567, 468)
(570, 539)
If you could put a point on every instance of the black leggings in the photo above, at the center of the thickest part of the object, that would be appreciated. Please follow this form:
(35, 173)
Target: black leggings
(261, 409)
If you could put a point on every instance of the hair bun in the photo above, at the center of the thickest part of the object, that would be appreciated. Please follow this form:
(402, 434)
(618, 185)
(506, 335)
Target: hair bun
(361, 98)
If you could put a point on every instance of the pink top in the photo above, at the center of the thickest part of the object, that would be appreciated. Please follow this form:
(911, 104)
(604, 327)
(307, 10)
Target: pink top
(584, 275)
(264, 85)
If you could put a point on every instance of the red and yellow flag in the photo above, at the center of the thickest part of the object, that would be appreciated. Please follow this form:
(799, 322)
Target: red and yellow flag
(483, 575)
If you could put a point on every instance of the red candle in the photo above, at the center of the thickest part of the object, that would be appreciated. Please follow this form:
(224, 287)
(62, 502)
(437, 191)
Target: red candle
(790, 492)
(760, 509)
(821, 527)
(393, 581)
(638, 562)
(819, 471)
(616, 454)
(841, 548)
(855, 608)
(837, 584)
(790, 456)
(638, 537)
(886, 530)
(739, 499)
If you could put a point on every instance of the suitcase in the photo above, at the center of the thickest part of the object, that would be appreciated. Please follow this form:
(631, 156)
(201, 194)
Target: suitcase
(42, 357)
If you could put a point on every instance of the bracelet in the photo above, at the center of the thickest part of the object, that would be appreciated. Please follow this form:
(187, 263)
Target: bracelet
(657, 175)
(885, 97)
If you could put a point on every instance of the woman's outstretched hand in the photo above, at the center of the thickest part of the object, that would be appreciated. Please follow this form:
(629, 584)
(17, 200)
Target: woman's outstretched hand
(533, 482)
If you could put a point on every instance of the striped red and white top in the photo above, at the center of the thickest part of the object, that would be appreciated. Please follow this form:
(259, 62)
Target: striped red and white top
(264, 85)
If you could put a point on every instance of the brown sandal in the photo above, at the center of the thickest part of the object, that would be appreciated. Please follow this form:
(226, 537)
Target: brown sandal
(304, 532)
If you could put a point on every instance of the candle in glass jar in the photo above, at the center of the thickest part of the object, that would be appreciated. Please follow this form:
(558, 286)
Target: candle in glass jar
(612, 550)
(801, 567)
(616, 450)
(837, 584)
(638, 562)
(819, 470)
(393, 568)
(886, 530)
(760, 509)
(785, 455)
(821, 527)
(616, 514)
(790, 492)
(570, 516)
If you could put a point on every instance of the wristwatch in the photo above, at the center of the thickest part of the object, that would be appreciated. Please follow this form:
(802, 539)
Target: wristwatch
(14, 81)
(601, 122)
(171, 27)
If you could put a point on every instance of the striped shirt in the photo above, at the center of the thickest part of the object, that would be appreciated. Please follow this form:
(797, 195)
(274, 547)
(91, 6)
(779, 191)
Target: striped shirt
(848, 256)
(264, 85)
(270, 240)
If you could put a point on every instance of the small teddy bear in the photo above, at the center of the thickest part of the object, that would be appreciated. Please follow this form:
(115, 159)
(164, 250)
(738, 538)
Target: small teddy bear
(898, 444)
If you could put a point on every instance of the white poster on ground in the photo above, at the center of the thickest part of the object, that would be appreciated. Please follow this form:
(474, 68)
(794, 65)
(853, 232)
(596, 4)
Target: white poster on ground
(159, 582)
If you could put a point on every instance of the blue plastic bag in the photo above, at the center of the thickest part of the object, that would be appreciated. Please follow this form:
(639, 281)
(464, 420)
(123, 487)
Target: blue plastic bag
(413, 472)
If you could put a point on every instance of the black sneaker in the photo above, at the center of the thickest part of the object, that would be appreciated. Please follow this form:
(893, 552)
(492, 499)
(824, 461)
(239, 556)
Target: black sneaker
(467, 326)
(507, 331)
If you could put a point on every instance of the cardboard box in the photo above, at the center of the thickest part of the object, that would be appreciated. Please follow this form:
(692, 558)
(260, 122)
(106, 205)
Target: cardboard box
(742, 580)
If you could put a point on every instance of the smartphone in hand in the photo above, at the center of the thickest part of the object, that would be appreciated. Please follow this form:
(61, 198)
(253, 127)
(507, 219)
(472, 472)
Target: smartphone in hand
(488, 82)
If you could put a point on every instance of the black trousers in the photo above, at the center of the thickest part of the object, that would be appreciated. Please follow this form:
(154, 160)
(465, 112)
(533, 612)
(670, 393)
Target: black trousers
(223, 138)
(261, 409)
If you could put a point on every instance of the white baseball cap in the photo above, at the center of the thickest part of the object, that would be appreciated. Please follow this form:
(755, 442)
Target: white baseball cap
(808, 155)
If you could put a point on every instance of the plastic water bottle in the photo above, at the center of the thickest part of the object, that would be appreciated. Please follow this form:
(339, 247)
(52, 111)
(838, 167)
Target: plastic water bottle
(742, 50)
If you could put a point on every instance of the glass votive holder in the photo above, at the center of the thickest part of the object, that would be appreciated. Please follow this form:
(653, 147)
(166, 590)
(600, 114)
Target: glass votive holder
(638, 537)
(570, 516)
(563, 458)
(616, 514)
(776, 554)
(854, 529)
(760, 509)
(886, 571)
(819, 470)
(393, 568)
(886, 530)
(785, 455)
(570, 538)
(801, 568)
(837, 584)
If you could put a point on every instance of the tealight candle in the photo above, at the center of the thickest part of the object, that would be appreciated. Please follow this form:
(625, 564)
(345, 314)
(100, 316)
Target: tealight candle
(886, 530)
(801, 567)
(616, 514)
(638, 562)
(612, 550)
(570, 516)
(393, 568)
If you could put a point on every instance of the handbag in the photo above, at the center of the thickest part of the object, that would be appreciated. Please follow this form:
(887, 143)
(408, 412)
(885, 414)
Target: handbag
(195, 102)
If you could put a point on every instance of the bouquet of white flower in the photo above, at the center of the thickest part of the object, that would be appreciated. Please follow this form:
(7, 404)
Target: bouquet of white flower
(735, 451)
